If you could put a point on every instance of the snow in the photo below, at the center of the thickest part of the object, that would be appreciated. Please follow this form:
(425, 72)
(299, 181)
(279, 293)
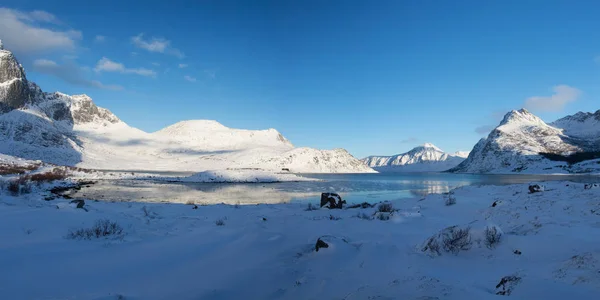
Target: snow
(515, 146)
(172, 251)
(425, 158)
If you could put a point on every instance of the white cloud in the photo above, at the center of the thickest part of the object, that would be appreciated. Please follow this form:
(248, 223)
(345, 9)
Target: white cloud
(70, 73)
(154, 44)
(189, 78)
(181, 66)
(43, 16)
(107, 65)
(23, 32)
(563, 94)
(99, 39)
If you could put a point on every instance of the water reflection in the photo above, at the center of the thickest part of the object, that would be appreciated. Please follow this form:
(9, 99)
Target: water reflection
(352, 187)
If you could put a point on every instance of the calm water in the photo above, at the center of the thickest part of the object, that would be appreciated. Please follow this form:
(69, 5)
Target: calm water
(352, 187)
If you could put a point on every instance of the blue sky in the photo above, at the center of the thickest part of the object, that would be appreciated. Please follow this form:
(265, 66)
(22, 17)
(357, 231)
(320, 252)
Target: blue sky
(374, 77)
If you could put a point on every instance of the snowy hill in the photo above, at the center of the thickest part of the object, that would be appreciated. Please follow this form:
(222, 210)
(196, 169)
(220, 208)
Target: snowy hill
(73, 131)
(425, 158)
(524, 143)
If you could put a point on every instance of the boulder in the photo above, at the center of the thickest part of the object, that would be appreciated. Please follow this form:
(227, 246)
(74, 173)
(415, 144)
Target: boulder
(535, 188)
(320, 244)
(332, 200)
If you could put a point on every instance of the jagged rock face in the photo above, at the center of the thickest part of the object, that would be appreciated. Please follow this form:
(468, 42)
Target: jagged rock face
(515, 145)
(14, 90)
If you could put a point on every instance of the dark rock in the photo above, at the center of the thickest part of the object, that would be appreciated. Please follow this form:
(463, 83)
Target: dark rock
(195, 206)
(535, 188)
(495, 203)
(80, 203)
(320, 244)
(517, 252)
(264, 219)
(285, 169)
(507, 284)
(332, 200)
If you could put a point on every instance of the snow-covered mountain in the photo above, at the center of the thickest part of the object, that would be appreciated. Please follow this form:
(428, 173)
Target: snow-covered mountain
(524, 143)
(425, 158)
(72, 130)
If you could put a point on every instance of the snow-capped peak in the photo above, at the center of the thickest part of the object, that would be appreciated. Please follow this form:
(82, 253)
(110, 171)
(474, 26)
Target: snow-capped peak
(521, 116)
(432, 146)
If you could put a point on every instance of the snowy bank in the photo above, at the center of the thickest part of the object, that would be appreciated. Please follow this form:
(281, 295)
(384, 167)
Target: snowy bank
(546, 248)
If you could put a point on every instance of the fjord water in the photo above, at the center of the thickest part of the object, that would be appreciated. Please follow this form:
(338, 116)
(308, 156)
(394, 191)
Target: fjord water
(352, 187)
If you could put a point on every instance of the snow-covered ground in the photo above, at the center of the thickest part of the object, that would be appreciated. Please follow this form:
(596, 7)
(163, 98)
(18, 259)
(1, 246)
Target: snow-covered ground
(176, 251)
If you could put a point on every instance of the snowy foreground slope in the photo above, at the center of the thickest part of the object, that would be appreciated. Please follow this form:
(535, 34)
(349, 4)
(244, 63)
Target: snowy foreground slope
(425, 158)
(517, 145)
(71, 130)
(549, 242)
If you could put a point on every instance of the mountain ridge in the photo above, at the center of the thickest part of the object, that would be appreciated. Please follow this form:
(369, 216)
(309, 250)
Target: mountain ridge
(423, 158)
(71, 130)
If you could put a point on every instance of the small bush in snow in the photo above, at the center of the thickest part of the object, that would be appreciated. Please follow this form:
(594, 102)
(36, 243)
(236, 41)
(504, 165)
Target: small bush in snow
(102, 228)
(190, 202)
(492, 236)
(458, 239)
(451, 200)
(220, 222)
(311, 207)
(385, 207)
(432, 246)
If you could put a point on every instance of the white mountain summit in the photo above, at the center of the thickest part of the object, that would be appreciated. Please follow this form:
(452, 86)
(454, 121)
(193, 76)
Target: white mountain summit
(424, 158)
(72, 130)
(524, 143)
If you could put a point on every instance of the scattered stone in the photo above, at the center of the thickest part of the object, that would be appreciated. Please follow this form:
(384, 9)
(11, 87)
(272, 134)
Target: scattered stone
(507, 284)
(535, 188)
(80, 203)
(195, 206)
(590, 186)
(264, 219)
(332, 200)
(334, 218)
(320, 244)
(517, 252)
(285, 169)
(495, 203)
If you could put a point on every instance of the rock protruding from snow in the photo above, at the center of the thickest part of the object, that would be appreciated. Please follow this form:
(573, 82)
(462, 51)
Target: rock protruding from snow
(14, 90)
(425, 158)
(517, 144)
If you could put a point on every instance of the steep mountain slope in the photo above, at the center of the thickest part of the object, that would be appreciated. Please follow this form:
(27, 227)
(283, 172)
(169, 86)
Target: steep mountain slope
(517, 145)
(72, 130)
(425, 158)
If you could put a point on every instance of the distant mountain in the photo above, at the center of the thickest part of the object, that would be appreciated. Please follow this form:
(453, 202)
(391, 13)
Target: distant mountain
(425, 158)
(72, 130)
(522, 142)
